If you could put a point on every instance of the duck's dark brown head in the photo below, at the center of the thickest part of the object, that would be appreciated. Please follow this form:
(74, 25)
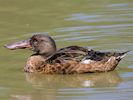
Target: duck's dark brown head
(40, 43)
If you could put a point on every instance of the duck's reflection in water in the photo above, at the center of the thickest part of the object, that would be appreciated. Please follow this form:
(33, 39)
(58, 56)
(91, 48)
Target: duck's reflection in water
(49, 87)
(109, 79)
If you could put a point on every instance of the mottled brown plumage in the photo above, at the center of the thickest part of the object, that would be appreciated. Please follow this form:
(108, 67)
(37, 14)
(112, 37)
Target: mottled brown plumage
(67, 60)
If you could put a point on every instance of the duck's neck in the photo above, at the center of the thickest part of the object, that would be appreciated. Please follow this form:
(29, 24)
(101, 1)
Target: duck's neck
(47, 52)
(47, 55)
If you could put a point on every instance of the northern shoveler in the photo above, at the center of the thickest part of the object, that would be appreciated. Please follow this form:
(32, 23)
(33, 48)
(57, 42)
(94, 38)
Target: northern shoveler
(67, 60)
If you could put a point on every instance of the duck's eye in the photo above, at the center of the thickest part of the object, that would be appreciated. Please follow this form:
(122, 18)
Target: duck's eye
(35, 42)
(41, 40)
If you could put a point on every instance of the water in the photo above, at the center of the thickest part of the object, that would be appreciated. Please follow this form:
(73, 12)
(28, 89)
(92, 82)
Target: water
(105, 25)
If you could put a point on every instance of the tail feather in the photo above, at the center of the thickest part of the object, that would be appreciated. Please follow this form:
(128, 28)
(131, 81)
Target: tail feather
(122, 55)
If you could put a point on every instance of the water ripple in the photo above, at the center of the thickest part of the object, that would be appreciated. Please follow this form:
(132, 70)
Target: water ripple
(93, 27)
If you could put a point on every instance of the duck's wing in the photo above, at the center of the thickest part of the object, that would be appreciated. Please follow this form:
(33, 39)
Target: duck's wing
(104, 56)
(76, 53)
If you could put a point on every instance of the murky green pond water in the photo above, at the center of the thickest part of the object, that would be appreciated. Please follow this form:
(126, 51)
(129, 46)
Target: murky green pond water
(99, 24)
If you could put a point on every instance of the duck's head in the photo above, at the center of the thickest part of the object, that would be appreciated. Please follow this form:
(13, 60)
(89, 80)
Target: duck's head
(40, 43)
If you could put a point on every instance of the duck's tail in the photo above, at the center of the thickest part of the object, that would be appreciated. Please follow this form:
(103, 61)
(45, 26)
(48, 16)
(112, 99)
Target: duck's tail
(121, 55)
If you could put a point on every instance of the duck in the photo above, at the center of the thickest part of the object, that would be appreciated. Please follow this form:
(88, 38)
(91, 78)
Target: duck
(47, 59)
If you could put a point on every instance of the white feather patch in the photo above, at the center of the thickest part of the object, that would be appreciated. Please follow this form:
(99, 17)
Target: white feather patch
(121, 56)
(88, 61)
(109, 59)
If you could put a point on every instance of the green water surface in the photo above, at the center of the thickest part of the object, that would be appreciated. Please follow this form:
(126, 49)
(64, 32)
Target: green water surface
(105, 25)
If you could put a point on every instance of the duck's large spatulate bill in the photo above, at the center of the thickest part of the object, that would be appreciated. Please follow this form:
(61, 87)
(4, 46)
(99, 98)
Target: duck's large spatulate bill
(19, 45)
